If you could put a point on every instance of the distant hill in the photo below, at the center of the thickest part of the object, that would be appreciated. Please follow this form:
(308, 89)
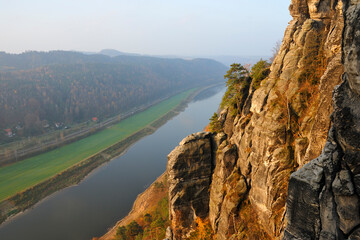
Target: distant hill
(33, 59)
(115, 53)
(41, 88)
(227, 60)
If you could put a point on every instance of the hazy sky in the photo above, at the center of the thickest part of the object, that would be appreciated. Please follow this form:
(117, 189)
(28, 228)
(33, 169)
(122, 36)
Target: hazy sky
(179, 27)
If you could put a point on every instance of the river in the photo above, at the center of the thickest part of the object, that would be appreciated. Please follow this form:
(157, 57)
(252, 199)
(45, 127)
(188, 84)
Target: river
(105, 196)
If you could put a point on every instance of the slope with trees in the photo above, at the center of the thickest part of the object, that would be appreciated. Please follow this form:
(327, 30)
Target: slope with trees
(39, 90)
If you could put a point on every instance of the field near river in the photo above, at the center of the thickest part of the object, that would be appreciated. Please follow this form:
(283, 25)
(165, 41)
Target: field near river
(22, 175)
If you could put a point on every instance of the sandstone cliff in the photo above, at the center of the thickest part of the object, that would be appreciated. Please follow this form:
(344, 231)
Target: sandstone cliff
(241, 174)
(329, 186)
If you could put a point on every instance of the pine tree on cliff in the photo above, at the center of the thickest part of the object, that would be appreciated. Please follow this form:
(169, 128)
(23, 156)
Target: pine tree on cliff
(238, 81)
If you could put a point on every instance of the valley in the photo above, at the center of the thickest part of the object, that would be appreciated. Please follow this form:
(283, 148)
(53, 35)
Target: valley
(110, 189)
(22, 175)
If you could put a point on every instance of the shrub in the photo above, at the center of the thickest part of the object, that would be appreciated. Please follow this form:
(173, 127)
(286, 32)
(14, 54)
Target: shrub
(215, 125)
(121, 233)
(259, 72)
(133, 229)
(238, 83)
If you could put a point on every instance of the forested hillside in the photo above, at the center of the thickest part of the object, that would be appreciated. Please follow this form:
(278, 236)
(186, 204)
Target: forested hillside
(38, 90)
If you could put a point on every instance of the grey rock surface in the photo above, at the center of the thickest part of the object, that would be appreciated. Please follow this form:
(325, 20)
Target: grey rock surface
(351, 44)
(355, 235)
(339, 205)
(189, 174)
(303, 213)
(226, 157)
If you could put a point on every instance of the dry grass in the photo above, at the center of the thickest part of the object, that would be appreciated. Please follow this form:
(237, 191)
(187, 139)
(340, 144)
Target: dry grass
(248, 225)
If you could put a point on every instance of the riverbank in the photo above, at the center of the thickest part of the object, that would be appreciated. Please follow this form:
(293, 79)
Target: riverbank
(145, 203)
(74, 174)
(29, 147)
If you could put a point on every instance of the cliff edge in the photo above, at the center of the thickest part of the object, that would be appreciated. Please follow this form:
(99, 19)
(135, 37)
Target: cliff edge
(329, 186)
(237, 179)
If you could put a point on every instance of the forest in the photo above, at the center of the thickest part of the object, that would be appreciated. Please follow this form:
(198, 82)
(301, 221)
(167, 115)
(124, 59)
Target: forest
(42, 91)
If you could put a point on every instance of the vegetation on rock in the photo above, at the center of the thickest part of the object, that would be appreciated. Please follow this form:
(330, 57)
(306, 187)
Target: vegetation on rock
(152, 224)
(215, 124)
(238, 83)
(259, 71)
(202, 231)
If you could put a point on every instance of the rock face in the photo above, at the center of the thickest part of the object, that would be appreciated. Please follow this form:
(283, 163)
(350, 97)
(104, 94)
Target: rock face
(329, 185)
(350, 45)
(283, 125)
(189, 174)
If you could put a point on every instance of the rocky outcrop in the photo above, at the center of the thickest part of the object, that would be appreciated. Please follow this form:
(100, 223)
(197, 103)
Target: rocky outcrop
(284, 124)
(351, 54)
(329, 185)
(204, 182)
(289, 118)
(314, 181)
(226, 157)
(189, 171)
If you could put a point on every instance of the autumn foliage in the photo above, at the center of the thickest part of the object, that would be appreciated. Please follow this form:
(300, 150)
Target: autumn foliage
(37, 90)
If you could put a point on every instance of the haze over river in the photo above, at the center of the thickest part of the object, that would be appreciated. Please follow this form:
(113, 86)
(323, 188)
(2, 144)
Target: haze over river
(86, 210)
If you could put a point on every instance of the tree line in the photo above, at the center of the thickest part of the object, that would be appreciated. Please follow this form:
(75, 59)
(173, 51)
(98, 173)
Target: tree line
(31, 100)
